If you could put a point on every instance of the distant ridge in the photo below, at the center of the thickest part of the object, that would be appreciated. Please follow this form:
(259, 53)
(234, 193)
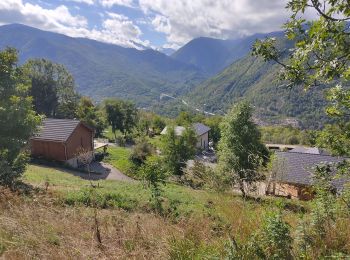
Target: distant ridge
(213, 55)
(252, 79)
(103, 70)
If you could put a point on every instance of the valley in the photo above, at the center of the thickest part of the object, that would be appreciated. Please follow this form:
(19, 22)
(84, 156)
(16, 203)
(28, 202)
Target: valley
(207, 74)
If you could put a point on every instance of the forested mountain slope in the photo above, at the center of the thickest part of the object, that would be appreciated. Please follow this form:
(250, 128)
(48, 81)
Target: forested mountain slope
(104, 70)
(213, 55)
(257, 81)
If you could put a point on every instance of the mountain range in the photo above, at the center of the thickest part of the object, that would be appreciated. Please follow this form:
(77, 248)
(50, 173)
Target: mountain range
(104, 70)
(252, 79)
(214, 55)
(209, 74)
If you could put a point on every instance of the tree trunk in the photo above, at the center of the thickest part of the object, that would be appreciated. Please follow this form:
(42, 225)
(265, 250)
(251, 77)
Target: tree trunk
(115, 137)
(241, 187)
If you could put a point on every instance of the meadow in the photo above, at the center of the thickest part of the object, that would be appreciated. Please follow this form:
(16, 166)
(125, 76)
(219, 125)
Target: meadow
(56, 219)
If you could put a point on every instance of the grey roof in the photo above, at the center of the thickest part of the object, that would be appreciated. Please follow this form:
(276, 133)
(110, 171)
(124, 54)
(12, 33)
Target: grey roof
(178, 130)
(297, 168)
(200, 128)
(58, 130)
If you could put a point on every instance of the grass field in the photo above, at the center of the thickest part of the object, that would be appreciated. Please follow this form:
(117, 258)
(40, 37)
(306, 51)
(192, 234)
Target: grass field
(59, 222)
(136, 196)
(119, 158)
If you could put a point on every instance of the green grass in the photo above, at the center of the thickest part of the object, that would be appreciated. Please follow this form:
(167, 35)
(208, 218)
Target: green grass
(195, 224)
(127, 195)
(119, 158)
(179, 201)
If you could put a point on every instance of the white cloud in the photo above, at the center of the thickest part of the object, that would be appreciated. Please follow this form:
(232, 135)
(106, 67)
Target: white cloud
(58, 19)
(119, 29)
(115, 28)
(179, 20)
(183, 20)
(110, 3)
(162, 24)
(88, 2)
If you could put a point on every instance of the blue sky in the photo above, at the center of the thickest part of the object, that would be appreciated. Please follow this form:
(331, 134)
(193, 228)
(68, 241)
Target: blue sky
(151, 23)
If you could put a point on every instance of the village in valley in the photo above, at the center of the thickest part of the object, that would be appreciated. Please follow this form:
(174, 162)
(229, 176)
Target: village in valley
(69, 141)
(221, 149)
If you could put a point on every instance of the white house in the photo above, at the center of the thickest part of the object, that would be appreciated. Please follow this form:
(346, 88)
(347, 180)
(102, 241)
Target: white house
(201, 130)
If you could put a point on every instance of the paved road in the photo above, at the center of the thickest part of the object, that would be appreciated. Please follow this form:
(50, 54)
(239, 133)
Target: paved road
(103, 171)
(115, 174)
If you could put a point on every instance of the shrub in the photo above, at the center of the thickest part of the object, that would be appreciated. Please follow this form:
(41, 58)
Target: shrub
(276, 241)
(272, 241)
(141, 151)
(11, 169)
(90, 197)
(154, 174)
(191, 248)
(200, 176)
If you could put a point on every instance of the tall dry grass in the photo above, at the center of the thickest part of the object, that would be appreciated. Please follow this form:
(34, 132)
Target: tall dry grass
(40, 227)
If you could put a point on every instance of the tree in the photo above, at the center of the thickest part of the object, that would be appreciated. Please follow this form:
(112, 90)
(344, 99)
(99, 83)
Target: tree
(177, 150)
(214, 123)
(52, 89)
(17, 118)
(114, 115)
(184, 118)
(130, 116)
(121, 115)
(155, 175)
(321, 55)
(88, 113)
(240, 150)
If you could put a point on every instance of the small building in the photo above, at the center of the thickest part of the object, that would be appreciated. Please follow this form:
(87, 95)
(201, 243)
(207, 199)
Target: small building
(61, 139)
(292, 174)
(202, 133)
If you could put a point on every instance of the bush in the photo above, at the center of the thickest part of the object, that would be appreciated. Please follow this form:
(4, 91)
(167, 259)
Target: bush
(11, 170)
(90, 197)
(272, 241)
(191, 248)
(200, 176)
(141, 151)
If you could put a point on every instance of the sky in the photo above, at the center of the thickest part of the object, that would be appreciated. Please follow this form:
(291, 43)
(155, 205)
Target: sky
(151, 23)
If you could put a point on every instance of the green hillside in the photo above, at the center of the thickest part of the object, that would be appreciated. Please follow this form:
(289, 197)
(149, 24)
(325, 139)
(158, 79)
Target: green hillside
(104, 70)
(253, 79)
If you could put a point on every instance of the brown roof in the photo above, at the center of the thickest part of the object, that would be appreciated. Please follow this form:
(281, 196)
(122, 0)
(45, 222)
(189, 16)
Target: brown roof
(58, 130)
